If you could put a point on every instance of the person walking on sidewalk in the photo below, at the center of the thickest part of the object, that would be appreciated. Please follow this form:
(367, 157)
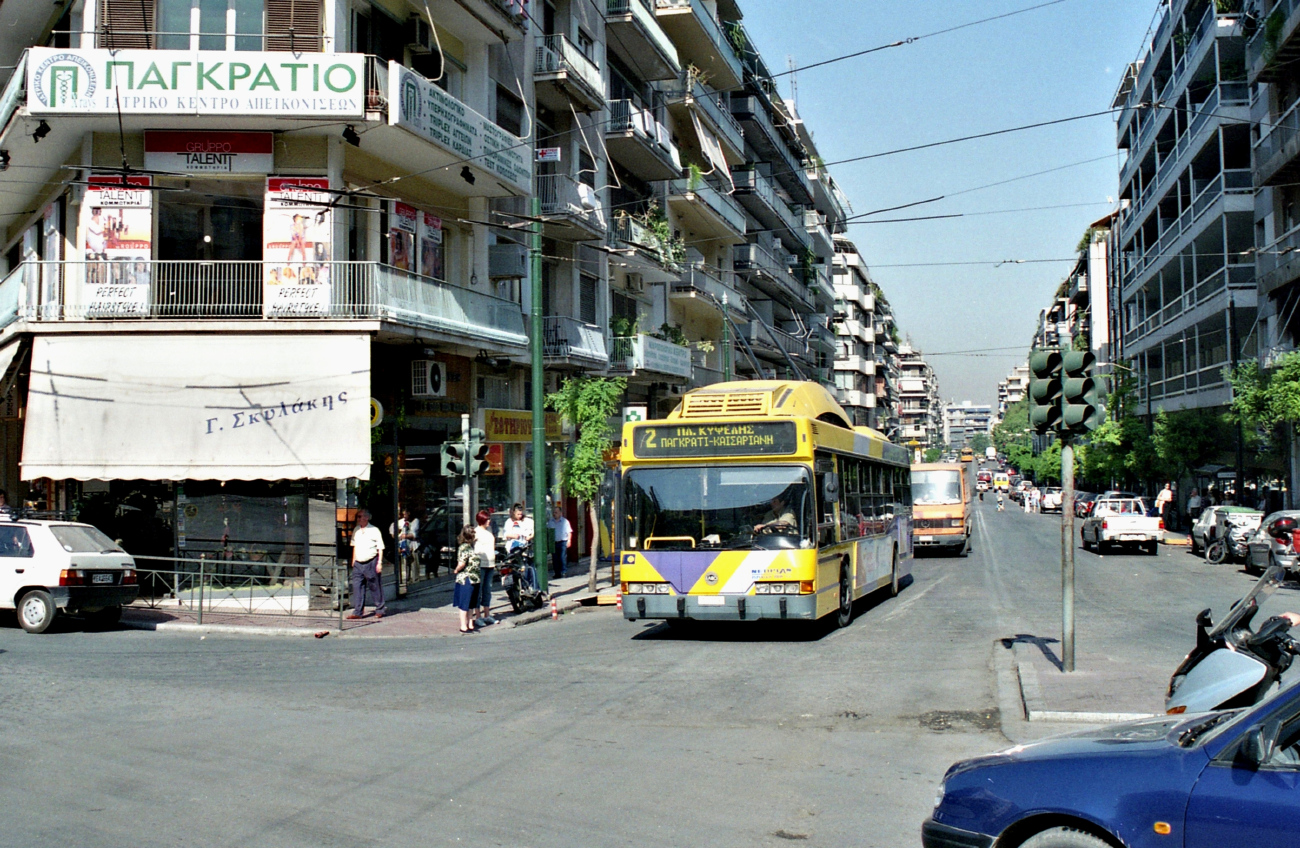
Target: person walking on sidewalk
(1163, 500)
(485, 545)
(406, 533)
(464, 596)
(563, 532)
(367, 549)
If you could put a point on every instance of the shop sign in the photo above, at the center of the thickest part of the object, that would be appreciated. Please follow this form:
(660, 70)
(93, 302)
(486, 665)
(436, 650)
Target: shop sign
(496, 461)
(195, 82)
(296, 231)
(516, 425)
(663, 357)
(118, 245)
(635, 413)
(202, 152)
(422, 108)
(548, 154)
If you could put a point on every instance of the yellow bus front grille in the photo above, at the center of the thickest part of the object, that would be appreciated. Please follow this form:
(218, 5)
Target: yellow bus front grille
(724, 404)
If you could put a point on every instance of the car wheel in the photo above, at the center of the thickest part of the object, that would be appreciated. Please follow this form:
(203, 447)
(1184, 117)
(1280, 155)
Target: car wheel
(845, 614)
(1064, 837)
(1087, 546)
(36, 611)
(1152, 548)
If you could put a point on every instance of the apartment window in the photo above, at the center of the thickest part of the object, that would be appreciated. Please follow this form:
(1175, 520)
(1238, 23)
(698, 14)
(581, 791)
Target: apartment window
(587, 45)
(510, 111)
(587, 298)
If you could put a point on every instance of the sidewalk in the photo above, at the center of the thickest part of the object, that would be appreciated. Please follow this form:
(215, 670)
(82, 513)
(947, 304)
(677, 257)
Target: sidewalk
(1102, 689)
(427, 611)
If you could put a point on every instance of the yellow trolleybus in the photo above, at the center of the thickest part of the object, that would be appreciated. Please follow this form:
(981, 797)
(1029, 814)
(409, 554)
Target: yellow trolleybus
(758, 500)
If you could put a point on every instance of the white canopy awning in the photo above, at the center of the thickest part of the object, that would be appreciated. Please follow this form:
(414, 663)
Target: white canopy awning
(8, 354)
(168, 407)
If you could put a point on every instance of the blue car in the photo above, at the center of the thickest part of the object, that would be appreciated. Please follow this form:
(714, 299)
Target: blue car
(1228, 779)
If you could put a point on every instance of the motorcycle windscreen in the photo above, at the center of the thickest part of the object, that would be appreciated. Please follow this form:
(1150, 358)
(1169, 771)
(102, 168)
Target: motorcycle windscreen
(1222, 675)
(1267, 584)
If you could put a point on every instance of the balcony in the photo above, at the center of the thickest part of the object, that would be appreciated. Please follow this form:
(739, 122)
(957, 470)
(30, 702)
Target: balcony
(700, 40)
(634, 32)
(1206, 194)
(1277, 155)
(856, 363)
(644, 252)
(852, 398)
(568, 341)
(706, 210)
(776, 344)
(710, 287)
(571, 209)
(714, 112)
(638, 140)
(1279, 263)
(643, 352)
(756, 193)
(105, 294)
(822, 243)
(707, 368)
(787, 166)
(565, 75)
(1273, 50)
(765, 272)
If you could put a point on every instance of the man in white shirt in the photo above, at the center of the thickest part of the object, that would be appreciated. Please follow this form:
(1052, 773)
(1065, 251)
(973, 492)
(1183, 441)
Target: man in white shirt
(367, 550)
(518, 529)
(563, 531)
(1163, 500)
(406, 530)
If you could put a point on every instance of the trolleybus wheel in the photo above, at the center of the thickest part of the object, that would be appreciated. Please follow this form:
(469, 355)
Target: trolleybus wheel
(845, 614)
(893, 576)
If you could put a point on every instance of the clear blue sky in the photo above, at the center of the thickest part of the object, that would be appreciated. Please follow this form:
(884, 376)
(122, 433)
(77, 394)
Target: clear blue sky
(1055, 62)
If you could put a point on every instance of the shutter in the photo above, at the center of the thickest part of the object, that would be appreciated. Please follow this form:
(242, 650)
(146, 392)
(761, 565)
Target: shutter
(293, 25)
(126, 25)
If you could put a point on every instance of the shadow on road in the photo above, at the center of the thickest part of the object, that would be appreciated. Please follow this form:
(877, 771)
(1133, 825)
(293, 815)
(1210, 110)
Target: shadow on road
(762, 630)
(1042, 642)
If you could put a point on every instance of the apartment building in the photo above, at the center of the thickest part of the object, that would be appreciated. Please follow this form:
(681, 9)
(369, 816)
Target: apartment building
(888, 371)
(963, 420)
(1012, 389)
(855, 360)
(1087, 292)
(920, 410)
(1184, 238)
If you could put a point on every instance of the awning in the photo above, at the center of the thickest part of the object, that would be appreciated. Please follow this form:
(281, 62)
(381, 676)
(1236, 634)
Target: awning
(712, 149)
(9, 361)
(169, 407)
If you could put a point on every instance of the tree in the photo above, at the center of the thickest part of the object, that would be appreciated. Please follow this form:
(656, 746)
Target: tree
(588, 403)
(1189, 438)
(1013, 429)
(1120, 449)
(978, 442)
(932, 454)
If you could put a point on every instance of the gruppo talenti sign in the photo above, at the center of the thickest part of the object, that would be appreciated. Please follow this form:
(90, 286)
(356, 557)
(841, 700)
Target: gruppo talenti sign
(195, 82)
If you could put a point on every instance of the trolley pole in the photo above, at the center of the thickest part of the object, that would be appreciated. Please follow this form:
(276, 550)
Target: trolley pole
(538, 404)
(1067, 553)
(726, 339)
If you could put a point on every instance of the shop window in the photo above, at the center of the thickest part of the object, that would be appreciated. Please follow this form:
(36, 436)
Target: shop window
(494, 393)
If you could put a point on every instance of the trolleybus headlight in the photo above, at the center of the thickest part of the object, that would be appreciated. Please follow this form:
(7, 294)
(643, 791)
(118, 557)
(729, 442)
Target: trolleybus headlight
(776, 588)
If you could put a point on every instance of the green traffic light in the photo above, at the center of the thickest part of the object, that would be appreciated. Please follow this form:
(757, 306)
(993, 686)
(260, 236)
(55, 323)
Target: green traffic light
(1044, 389)
(1082, 394)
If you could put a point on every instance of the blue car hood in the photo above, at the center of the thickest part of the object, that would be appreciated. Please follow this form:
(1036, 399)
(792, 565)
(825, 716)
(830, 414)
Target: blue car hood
(1148, 734)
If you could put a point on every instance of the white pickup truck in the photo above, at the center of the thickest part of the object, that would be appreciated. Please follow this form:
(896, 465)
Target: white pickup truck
(1121, 521)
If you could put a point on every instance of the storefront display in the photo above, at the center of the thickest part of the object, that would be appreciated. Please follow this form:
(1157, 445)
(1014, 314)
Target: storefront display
(118, 245)
(296, 251)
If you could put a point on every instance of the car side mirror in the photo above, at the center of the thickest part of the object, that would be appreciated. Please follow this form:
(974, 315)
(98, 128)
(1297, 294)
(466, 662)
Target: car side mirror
(1257, 748)
(1203, 619)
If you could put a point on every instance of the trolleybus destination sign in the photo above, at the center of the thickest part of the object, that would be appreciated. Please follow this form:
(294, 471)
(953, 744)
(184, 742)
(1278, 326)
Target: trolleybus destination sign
(764, 438)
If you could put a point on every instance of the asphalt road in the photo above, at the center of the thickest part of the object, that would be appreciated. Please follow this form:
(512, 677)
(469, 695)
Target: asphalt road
(587, 731)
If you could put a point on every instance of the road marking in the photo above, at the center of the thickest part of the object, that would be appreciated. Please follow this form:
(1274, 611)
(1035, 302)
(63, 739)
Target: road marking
(902, 608)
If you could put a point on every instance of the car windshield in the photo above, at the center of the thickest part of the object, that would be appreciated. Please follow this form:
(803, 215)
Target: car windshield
(1118, 507)
(734, 507)
(83, 539)
(936, 487)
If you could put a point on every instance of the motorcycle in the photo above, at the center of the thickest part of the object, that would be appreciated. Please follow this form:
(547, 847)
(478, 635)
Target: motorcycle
(519, 579)
(1235, 546)
(1232, 665)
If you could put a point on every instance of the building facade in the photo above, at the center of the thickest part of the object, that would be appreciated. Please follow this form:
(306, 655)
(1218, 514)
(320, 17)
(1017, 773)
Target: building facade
(920, 410)
(855, 362)
(1012, 389)
(963, 420)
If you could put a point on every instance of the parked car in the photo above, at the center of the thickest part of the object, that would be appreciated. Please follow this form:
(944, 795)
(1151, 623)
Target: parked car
(1205, 528)
(1121, 521)
(1052, 497)
(1273, 542)
(1083, 503)
(1223, 778)
(48, 567)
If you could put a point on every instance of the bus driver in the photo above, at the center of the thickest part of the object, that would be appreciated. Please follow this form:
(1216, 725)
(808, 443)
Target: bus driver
(779, 516)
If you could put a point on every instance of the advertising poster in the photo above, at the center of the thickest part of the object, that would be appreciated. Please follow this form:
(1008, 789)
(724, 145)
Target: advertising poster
(118, 246)
(208, 152)
(431, 247)
(296, 247)
(401, 236)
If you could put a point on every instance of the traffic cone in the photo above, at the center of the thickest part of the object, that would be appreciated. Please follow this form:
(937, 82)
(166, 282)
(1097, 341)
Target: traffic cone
(555, 609)
(618, 600)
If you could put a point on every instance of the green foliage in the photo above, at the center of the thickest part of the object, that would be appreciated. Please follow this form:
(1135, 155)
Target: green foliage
(1267, 398)
(1011, 430)
(978, 442)
(695, 176)
(587, 403)
(1079, 342)
(1189, 438)
(932, 455)
(672, 333)
(1121, 448)
(1086, 240)
(1047, 465)
(622, 326)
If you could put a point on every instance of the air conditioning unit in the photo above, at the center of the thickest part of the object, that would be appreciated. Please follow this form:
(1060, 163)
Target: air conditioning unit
(419, 35)
(428, 378)
(635, 283)
(676, 389)
(507, 260)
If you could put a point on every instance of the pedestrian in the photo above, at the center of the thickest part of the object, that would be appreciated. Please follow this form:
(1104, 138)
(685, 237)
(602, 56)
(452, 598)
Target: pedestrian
(1195, 505)
(464, 596)
(518, 529)
(563, 531)
(485, 545)
(999, 500)
(406, 531)
(367, 548)
(1163, 500)
(4, 502)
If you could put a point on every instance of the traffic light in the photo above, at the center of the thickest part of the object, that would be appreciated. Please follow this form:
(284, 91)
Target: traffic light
(1044, 390)
(465, 456)
(452, 459)
(478, 453)
(1081, 401)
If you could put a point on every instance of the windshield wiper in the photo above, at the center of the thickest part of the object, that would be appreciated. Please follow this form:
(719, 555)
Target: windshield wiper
(1188, 737)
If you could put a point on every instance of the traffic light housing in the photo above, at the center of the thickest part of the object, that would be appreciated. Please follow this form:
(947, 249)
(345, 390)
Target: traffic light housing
(1044, 390)
(478, 453)
(452, 459)
(465, 457)
(1081, 393)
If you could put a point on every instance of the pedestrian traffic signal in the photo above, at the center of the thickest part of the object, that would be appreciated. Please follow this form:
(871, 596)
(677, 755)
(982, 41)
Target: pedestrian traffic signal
(477, 457)
(452, 459)
(1081, 401)
(1044, 390)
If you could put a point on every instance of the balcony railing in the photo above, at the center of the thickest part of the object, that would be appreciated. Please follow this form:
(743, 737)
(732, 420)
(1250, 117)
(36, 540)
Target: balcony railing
(566, 339)
(712, 104)
(1280, 137)
(628, 232)
(755, 258)
(1263, 46)
(717, 199)
(768, 140)
(1205, 192)
(254, 290)
(644, 352)
(625, 116)
(711, 27)
(557, 54)
(714, 284)
(562, 195)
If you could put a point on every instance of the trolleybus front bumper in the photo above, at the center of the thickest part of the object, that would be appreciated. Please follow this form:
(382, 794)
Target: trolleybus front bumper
(730, 607)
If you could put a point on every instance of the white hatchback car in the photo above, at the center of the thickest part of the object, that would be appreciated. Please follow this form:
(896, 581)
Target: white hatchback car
(47, 566)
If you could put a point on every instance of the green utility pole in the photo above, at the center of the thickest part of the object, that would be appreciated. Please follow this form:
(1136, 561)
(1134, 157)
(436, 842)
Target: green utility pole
(726, 340)
(538, 404)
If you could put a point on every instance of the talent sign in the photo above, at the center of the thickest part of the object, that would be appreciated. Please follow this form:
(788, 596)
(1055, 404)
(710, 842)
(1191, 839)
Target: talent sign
(431, 249)
(771, 438)
(195, 82)
(119, 241)
(296, 250)
(401, 236)
(202, 152)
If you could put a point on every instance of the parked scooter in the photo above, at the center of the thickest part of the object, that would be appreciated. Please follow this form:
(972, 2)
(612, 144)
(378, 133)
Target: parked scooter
(1235, 547)
(1231, 665)
(519, 578)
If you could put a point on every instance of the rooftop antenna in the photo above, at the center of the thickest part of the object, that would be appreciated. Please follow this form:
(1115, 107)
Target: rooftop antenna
(794, 83)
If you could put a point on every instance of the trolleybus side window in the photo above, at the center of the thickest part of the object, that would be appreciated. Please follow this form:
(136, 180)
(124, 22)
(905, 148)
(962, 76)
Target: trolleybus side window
(850, 487)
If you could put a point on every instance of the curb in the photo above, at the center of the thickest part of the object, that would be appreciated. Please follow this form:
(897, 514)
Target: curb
(544, 613)
(222, 629)
(1035, 706)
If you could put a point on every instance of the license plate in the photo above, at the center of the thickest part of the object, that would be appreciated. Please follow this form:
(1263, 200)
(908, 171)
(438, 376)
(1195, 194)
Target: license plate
(508, 580)
(102, 578)
(1131, 537)
(925, 538)
(711, 601)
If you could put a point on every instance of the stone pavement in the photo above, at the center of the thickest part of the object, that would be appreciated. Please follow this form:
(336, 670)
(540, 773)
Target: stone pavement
(427, 611)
